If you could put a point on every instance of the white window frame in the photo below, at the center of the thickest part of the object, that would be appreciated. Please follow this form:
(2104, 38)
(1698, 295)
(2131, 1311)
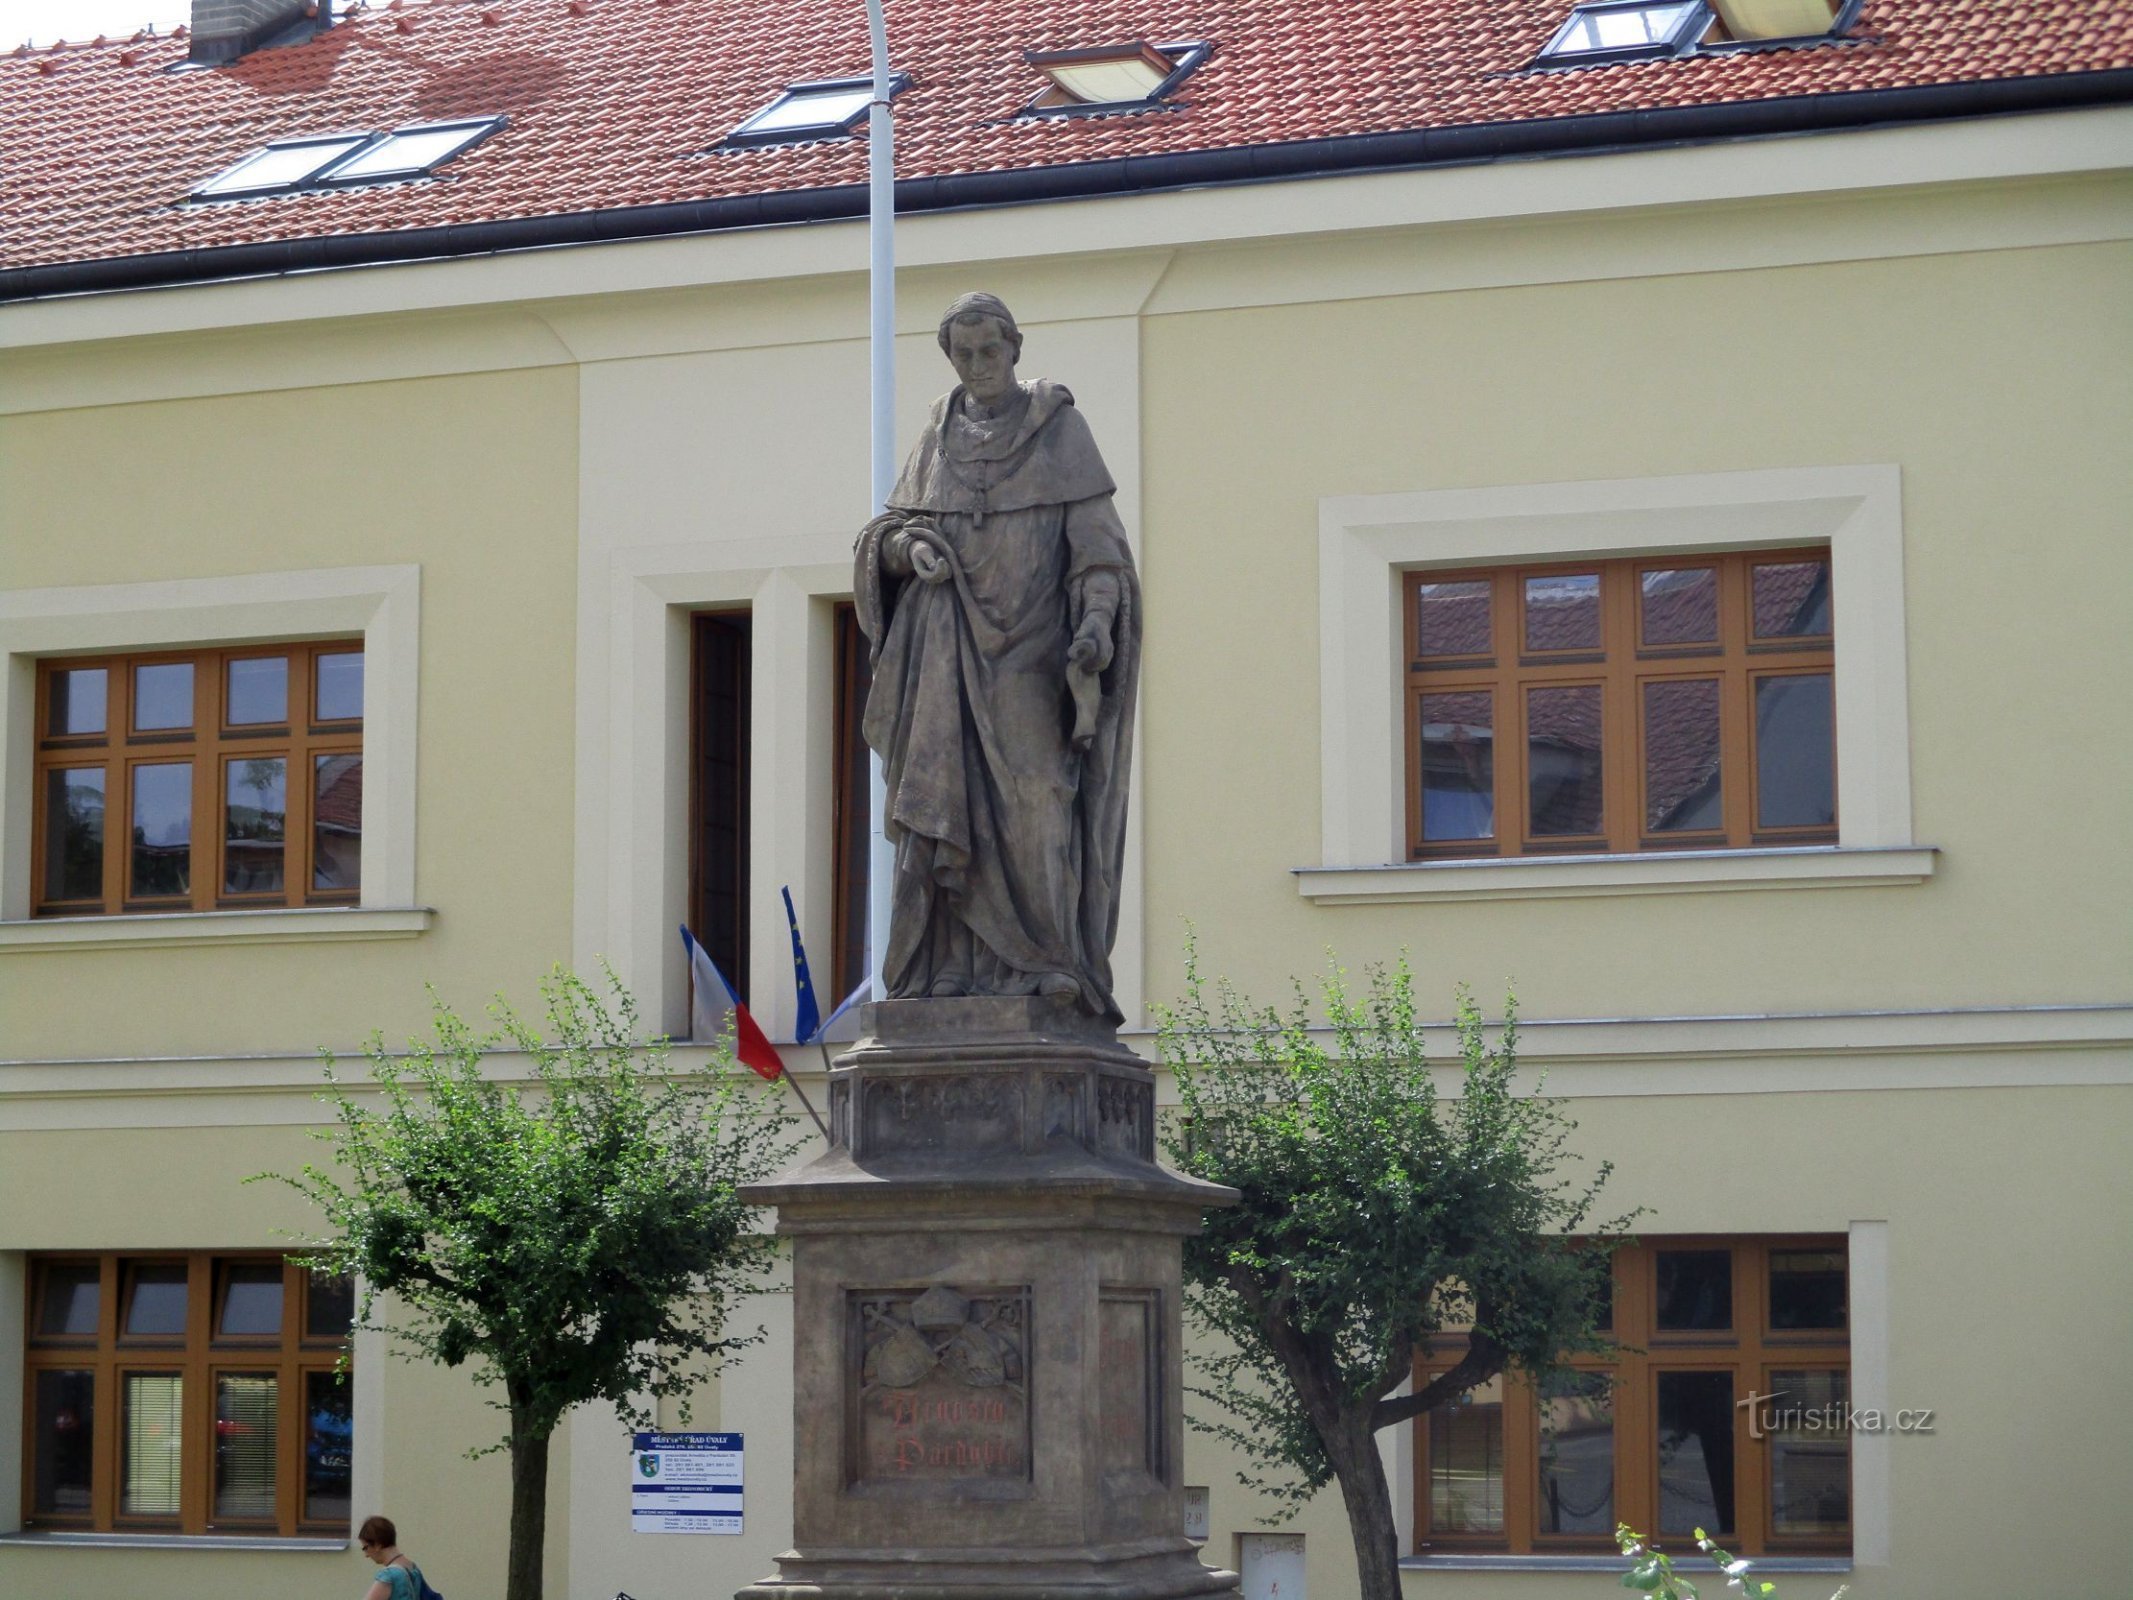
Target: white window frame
(381, 604)
(1368, 543)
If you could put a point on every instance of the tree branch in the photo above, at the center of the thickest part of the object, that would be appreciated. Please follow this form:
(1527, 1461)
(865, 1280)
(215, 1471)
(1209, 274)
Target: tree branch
(1484, 1359)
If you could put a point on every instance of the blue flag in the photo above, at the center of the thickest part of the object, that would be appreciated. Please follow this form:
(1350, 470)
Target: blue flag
(807, 1022)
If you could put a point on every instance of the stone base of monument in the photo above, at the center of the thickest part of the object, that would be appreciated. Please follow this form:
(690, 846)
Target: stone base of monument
(987, 1347)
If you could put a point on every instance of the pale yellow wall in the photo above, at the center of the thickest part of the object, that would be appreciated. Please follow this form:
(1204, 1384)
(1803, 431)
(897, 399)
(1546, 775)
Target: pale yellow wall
(474, 478)
(1996, 381)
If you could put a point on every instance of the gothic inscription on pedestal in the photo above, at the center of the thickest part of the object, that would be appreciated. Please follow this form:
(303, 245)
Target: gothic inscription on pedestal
(940, 1390)
(1130, 1376)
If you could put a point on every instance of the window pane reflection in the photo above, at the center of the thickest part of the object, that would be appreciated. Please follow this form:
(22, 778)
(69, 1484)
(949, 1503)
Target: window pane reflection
(251, 1299)
(1680, 606)
(1808, 1426)
(162, 830)
(1563, 612)
(155, 1303)
(74, 834)
(340, 686)
(1466, 1462)
(1790, 599)
(1695, 1451)
(1458, 766)
(256, 809)
(1622, 29)
(337, 823)
(78, 700)
(1577, 1455)
(73, 1296)
(1695, 1290)
(1682, 783)
(152, 1444)
(163, 696)
(259, 691)
(329, 1440)
(63, 1428)
(1452, 619)
(1795, 752)
(1806, 1289)
(1563, 760)
(329, 1305)
(247, 1406)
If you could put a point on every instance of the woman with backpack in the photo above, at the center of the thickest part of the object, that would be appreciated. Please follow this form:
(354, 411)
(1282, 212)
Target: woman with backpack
(398, 1578)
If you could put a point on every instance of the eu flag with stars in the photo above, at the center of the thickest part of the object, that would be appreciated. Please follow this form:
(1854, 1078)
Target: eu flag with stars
(807, 1021)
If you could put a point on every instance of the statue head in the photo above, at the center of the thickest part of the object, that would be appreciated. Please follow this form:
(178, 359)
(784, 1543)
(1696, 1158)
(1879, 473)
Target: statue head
(980, 339)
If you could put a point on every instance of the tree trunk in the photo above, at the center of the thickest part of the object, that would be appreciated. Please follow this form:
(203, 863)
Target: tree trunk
(529, 1512)
(1360, 1471)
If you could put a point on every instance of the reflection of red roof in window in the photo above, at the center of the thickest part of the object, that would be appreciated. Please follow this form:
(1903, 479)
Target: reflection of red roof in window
(1679, 606)
(340, 794)
(1786, 597)
(1681, 744)
(613, 102)
(1455, 618)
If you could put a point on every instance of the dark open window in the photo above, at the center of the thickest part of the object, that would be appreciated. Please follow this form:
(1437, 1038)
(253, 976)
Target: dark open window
(849, 934)
(718, 764)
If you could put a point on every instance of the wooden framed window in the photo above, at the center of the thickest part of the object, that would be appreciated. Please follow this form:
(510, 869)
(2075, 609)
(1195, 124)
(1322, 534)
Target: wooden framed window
(191, 1393)
(199, 780)
(848, 934)
(718, 790)
(1672, 702)
(1723, 1407)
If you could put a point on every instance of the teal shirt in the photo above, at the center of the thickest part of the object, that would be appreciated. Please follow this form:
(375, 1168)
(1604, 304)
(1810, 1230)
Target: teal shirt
(404, 1583)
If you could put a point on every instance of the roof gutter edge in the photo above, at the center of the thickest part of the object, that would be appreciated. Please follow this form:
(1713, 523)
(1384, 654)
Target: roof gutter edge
(1345, 155)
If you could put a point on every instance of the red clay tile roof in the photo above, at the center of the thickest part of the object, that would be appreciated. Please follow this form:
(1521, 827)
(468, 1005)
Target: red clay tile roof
(612, 102)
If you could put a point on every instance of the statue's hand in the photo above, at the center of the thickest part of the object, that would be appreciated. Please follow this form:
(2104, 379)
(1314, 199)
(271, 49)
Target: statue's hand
(927, 563)
(1091, 649)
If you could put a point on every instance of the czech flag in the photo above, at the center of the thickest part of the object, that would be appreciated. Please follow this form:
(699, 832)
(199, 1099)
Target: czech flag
(714, 1008)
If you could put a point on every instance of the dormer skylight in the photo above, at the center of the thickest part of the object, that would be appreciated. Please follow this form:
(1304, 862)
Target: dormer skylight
(285, 164)
(1111, 77)
(411, 152)
(1625, 30)
(821, 110)
(1600, 31)
(347, 159)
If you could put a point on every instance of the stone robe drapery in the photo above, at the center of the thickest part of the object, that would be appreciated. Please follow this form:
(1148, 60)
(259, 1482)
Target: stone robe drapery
(1009, 841)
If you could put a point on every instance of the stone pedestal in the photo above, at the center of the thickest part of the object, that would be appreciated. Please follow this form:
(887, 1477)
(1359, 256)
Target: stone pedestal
(987, 1346)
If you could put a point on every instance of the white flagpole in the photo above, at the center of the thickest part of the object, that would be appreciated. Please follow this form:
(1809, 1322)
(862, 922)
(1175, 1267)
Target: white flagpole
(881, 286)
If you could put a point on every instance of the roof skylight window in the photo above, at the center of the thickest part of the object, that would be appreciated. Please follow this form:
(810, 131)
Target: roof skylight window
(411, 152)
(813, 111)
(1109, 77)
(288, 165)
(285, 164)
(1623, 30)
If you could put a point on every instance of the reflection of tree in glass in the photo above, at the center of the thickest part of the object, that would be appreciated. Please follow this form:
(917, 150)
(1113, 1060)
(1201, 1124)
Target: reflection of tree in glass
(263, 777)
(82, 835)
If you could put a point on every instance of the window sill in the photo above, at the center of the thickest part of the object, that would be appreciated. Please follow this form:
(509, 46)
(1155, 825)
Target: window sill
(326, 1544)
(1654, 872)
(161, 930)
(1468, 1561)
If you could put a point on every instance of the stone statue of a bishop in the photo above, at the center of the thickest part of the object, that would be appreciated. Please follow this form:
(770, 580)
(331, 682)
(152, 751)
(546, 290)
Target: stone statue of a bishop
(1003, 614)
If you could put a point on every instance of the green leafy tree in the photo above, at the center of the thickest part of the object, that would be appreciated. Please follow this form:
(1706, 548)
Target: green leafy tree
(579, 1239)
(1653, 1571)
(1374, 1215)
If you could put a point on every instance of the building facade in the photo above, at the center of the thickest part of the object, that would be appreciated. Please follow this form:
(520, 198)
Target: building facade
(1593, 575)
